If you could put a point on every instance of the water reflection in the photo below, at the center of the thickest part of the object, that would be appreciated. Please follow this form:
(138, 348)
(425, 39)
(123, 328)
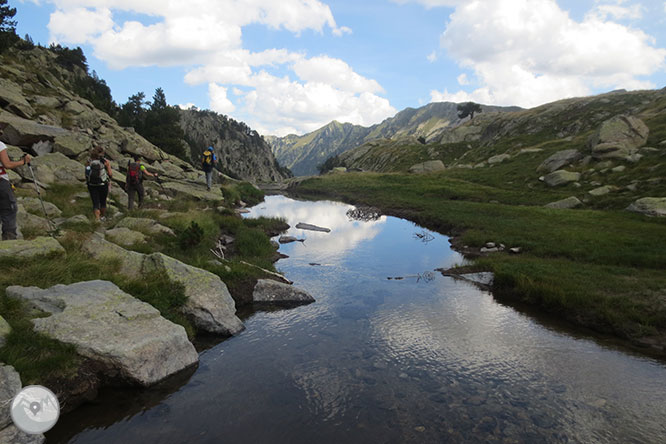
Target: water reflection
(393, 361)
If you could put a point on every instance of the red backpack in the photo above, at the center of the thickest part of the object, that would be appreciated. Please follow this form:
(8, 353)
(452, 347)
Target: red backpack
(133, 173)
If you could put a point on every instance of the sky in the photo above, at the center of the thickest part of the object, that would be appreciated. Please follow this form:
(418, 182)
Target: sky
(292, 66)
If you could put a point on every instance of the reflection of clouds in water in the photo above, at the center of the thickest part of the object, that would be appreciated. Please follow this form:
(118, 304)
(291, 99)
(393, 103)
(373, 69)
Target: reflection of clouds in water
(344, 235)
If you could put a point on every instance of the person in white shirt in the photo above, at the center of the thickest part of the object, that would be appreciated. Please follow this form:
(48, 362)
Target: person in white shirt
(8, 205)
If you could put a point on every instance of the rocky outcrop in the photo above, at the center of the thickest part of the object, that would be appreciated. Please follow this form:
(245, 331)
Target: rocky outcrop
(431, 166)
(619, 138)
(560, 177)
(271, 292)
(650, 206)
(28, 249)
(209, 304)
(107, 325)
(10, 386)
(559, 160)
(125, 237)
(100, 249)
(565, 204)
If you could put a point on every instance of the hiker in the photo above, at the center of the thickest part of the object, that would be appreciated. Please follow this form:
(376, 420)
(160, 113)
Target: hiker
(208, 161)
(98, 179)
(8, 205)
(134, 180)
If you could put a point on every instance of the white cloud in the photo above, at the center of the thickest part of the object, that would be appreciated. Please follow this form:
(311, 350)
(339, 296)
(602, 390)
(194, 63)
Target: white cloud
(528, 52)
(617, 12)
(205, 37)
(431, 3)
(187, 106)
(218, 99)
(432, 57)
(463, 80)
(89, 23)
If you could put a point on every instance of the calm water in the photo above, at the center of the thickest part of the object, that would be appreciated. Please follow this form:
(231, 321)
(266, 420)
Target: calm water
(425, 359)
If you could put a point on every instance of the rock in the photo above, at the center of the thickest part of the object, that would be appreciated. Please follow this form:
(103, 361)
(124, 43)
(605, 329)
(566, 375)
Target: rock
(490, 245)
(619, 169)
(209, 304)
(5, 329)
(568, 203)
(131, 262)
(12, 435)
(31, 222)
(24, 132)
(489, 250)
(515, 250)
(34, 205)
(125, 237)
(72, 144)
(198, 191)
(558, 160)
(27, 249)
(602, 191)
(120, 196)
(144, 225)
(561, 177)
(619, 138)
(287, 239)
(430, 166)
(271, 292)
(12, 99)
(42, 147)
(55, 168)
(304, 226)
(338, 170)
(498, 159)
(108, 325)
(10, 386)
(651, 206)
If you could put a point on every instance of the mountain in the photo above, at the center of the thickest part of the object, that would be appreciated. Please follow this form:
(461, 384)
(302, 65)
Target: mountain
(302, 154)
(491, 139)
(242, 153)
(51, 87)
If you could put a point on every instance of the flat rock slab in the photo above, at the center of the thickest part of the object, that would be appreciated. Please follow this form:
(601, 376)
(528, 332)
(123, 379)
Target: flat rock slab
(110, 326)
(304, 226)
(40, 246)
(209, 304)
(144, 225)
(268, 291)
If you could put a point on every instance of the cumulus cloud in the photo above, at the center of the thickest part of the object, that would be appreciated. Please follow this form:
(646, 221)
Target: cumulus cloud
(205, 37)
(431, 3)
(432, 57)
(528, 52)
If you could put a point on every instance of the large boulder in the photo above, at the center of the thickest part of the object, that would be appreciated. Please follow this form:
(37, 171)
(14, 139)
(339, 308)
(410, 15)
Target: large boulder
(125, 237)
(11, 98)
(72, 144)
(558, 160)
(108, 325)
(651, 206)
(144, 225)
(560, 177)
(34, 205)
(10, 385)
(196, 191)
(619, 138)
(27, 249)
(12, 435)
(24, 132)
(209, 304)
(55, 168)
(268, 291)
(430, 166)
(565, 204)
(100, 249)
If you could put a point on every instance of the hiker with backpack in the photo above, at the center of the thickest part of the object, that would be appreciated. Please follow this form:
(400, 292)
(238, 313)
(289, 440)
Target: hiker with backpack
(8, 205)
(134, 180)
(208, 161)
(98, 179)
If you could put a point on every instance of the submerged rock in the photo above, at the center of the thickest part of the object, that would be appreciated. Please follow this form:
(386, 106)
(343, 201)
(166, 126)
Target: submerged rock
(108, 325)
(304, 226)
(271, 292)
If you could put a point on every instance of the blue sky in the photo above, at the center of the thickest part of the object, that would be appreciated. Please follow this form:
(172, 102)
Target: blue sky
(292, 66)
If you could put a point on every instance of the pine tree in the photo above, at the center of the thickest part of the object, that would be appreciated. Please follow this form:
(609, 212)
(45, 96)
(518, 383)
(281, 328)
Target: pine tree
(7, 26)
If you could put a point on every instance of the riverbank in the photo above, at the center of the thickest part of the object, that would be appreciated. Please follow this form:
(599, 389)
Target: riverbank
(602, 270)
(188, 230)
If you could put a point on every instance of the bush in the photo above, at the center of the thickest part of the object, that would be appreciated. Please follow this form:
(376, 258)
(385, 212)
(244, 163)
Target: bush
(191, 236)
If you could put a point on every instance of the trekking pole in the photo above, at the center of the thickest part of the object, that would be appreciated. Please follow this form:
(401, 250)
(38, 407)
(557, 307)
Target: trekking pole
(52, 228)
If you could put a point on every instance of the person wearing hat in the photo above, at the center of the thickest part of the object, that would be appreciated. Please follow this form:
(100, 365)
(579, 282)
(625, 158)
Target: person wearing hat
(208, 161)
(8, 205)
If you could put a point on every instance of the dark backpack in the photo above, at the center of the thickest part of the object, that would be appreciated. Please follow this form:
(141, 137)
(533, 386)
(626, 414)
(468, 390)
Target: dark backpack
(133, 173)
(97, 173)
